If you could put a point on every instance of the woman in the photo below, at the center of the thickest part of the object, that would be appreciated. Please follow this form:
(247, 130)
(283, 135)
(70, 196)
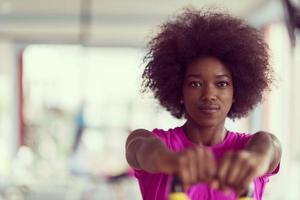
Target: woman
(205, 66)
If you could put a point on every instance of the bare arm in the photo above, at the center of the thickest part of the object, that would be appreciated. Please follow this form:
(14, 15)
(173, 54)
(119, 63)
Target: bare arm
(266, 145)
(144, 151)
(192, 165)
(261, 155)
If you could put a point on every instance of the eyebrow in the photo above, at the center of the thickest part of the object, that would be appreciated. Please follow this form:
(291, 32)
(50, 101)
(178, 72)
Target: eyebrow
(199, 76)
(223, 75)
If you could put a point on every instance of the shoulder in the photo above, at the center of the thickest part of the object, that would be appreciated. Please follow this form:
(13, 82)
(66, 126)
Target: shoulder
(167, 136)
(140, 132)
(144, 134)
(137, 134)
(155, 132)
(147, 133)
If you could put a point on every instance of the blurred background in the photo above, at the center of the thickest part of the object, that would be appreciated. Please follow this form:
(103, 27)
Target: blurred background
(70, 93)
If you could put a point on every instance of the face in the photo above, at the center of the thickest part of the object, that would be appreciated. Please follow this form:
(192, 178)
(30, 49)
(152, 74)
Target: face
(207, 92)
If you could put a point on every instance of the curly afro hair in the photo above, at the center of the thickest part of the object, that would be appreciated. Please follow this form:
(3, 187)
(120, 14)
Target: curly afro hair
(194, 34)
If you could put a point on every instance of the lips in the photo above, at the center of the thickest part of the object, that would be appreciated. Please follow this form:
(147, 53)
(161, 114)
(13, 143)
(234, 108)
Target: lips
(209, 108)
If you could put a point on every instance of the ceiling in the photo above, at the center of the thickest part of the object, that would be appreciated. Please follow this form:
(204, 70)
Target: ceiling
(107, 23)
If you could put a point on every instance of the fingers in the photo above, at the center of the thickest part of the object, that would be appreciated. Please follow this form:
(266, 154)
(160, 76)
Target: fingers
(183, 172)
(239, 169)
(240, 181)
(211, 170)
(244, 184)
(207, 166)
(236, 171)
(224, 170)
(200, 163)
(211, 166)
(195, 165)
(187, 168)
(249, 176)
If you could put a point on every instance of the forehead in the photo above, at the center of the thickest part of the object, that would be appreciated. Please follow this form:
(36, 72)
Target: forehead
(207, 66)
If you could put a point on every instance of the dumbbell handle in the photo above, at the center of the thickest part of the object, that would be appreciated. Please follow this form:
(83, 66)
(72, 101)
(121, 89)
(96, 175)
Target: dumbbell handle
(176, 192)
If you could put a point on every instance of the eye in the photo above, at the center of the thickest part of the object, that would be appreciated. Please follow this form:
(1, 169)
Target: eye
(222, 84)
(195, 84)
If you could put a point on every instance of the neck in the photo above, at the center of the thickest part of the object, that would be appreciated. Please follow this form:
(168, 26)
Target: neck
(205, 135)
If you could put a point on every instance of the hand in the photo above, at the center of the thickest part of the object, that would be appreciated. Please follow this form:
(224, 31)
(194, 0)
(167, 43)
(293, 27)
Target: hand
(238, 169)
(192, 166)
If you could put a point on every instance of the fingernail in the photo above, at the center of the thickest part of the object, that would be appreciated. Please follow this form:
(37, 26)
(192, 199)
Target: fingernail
(214, 184)
(226, 191)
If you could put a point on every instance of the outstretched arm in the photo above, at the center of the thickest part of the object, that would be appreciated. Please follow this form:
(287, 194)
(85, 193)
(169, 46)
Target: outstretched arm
(268, 147)
(238, 169)
(192, 165)
(144, 151)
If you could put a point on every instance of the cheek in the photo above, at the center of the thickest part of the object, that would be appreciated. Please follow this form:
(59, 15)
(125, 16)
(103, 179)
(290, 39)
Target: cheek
(228, 96)
(229, 102)
(189, 101)
(189, 95)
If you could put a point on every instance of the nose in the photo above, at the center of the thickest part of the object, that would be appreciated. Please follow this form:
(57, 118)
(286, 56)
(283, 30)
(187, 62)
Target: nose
(208, 93)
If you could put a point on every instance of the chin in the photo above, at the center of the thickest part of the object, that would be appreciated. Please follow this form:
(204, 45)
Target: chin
(202, 121)
(208, 123)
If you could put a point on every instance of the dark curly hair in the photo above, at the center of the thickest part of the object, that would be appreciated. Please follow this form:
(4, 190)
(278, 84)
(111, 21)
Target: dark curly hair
(194, 34)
